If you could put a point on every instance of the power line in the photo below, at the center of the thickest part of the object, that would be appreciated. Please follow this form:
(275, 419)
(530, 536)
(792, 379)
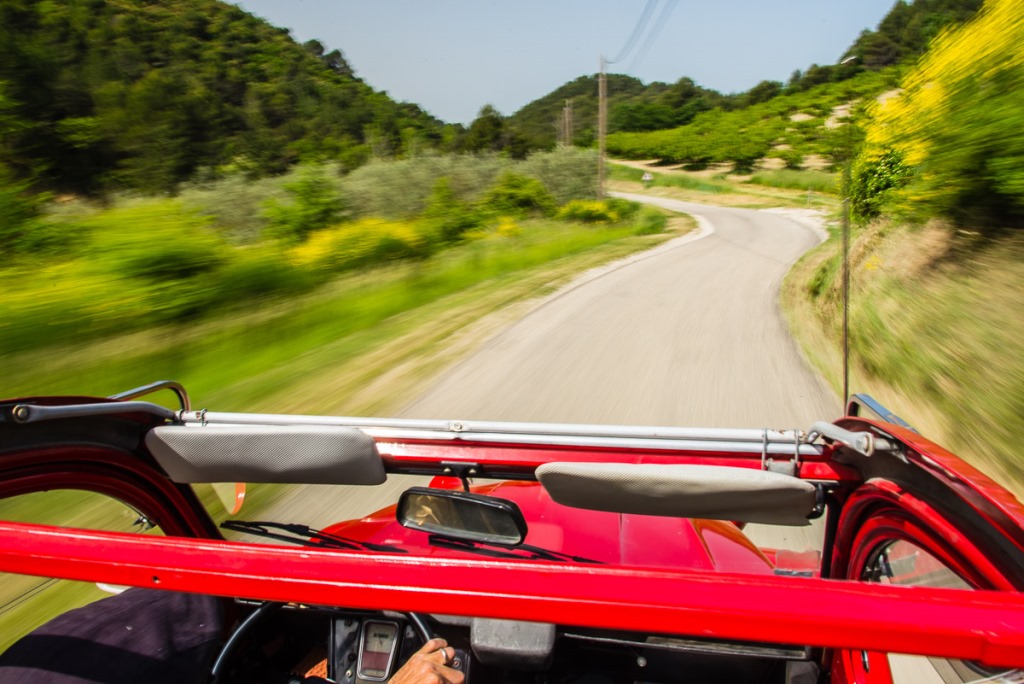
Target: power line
(641, 24)
(666, 11)
(602, 85)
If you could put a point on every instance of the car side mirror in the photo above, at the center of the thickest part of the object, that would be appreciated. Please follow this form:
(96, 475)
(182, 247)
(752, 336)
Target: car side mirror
(462, 515)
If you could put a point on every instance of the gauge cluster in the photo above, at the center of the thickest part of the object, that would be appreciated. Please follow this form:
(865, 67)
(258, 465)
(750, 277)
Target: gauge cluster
(366, 650)
(378, 646)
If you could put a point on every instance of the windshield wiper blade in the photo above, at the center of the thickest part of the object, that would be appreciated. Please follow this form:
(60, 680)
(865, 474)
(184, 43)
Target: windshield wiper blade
(499, 551)
(297, 533)
(327, 537)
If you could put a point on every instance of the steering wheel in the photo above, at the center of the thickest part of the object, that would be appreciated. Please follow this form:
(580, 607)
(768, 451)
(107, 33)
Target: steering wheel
(418, 622)
(229, 646)
(420, 625)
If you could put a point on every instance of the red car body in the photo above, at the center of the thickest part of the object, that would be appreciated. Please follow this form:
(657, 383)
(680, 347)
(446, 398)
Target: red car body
(671, 577)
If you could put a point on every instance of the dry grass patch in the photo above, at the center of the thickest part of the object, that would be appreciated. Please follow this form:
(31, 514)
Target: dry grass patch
(936, 330)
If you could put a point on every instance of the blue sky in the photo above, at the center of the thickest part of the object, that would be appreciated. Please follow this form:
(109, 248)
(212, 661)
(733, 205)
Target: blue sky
(454, 56)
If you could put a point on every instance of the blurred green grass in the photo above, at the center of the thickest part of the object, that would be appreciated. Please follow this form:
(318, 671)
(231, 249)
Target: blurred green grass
(798, 179)
(783, 188)
(212, 355)
(677, 180)
(27, 602)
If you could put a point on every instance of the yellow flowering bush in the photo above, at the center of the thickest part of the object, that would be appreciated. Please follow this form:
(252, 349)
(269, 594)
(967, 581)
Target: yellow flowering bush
(958, 122)
(588, 211)
(508, 228)
(366, 241)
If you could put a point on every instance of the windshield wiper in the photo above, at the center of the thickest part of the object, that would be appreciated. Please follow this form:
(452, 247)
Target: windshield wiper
(297, 533)
(499, 551)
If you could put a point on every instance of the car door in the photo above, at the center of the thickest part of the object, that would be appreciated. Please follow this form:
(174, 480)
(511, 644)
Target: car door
(922, 517)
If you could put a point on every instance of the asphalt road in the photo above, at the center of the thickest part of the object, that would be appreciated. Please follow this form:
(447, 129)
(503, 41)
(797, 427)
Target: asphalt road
(689, 334)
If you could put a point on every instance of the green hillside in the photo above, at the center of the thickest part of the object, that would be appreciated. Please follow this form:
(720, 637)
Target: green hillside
(708, 127)
(632, 106)
(788, 127)
(103, 94)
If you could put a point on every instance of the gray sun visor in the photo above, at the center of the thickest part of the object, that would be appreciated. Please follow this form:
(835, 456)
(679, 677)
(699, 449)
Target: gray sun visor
(682, 491)
(287, 454)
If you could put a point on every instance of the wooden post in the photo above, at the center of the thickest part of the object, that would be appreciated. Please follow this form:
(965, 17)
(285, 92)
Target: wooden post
(602, 123)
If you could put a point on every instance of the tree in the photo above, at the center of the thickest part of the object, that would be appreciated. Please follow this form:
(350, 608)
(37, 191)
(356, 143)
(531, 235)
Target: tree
(877, 50)
(680, 93)
(641, 116)
(486, 133)
(446, 216)
(762, 92)
(315, 204)
(518, 195)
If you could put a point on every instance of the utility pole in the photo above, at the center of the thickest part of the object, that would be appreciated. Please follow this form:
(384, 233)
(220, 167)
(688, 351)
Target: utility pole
(567, 123)
(602, 124)
(846, 272)
(847, 182)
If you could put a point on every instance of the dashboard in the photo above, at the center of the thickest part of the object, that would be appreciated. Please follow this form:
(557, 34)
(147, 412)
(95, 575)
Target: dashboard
(292, 644)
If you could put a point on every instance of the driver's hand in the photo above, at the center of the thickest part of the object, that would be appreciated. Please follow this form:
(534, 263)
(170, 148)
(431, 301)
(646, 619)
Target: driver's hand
(429, 665)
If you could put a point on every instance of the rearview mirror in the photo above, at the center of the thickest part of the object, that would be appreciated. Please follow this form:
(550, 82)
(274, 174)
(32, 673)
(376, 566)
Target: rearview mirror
(462, 515)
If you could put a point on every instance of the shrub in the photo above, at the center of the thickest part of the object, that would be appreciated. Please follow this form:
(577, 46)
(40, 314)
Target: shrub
(153, 239)
(508, 228)
(402, 189)
(167, 256)
(261, 272)
(645, 220)
(623, 208)
(518, 195)
(365, 242)
(568, 173)
(20, 227)
(958, 123)
(237, 205)
(588, 211)
(315, 204)
(872, 178)
(446, 217)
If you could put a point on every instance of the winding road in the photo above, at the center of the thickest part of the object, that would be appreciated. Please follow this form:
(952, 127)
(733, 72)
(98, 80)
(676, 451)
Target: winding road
(689, 334)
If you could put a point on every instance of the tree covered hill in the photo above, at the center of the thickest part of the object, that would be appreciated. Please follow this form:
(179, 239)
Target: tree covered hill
(632, 106)
(101, 94)
(907, 30)
(902, 36)
(790, 127)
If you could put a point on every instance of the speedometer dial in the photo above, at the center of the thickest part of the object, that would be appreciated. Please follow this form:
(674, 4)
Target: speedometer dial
(377, 650)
